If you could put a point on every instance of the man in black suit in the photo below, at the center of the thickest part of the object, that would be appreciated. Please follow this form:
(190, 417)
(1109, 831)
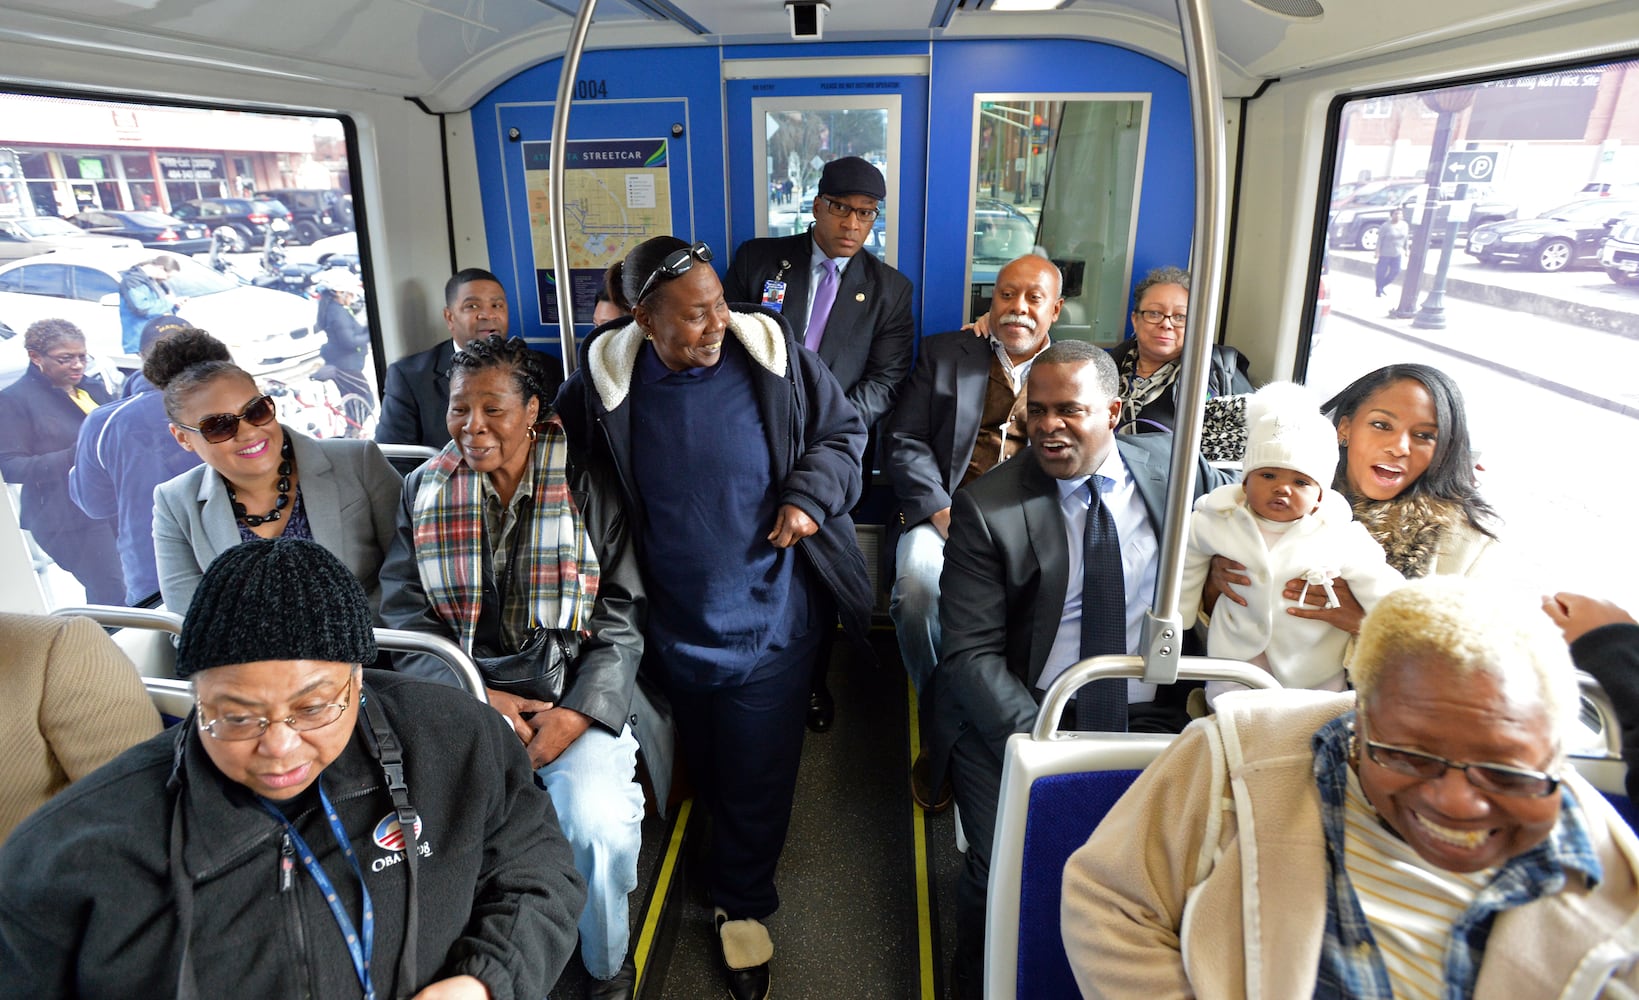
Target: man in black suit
(1011, 593)
(961, 415)
(868, 337)
(417, 391)
(850, 308)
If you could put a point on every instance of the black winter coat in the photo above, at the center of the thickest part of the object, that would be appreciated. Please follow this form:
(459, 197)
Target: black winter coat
(88, 899)
(42, 426)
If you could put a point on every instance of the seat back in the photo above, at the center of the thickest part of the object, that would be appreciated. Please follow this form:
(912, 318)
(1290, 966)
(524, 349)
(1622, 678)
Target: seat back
(1604, 768)
(143, 629)
(1056, 787)
(406, 458)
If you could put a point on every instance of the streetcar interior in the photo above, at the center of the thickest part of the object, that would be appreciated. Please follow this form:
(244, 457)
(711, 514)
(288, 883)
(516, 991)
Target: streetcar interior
(421, 131)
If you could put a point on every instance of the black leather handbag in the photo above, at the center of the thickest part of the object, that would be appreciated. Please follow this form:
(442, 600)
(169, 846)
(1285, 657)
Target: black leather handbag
(539, 669)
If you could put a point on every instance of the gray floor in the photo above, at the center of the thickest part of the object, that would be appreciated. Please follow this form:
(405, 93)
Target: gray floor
(848, 920)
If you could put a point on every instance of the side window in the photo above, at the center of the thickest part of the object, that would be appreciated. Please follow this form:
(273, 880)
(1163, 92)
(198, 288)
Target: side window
(1472, 229)
(90, 285)
(45, 279)
(313, 356)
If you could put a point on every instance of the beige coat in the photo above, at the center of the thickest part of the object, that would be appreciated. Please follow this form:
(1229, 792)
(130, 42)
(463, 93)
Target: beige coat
(69, 702)
(1209, 877)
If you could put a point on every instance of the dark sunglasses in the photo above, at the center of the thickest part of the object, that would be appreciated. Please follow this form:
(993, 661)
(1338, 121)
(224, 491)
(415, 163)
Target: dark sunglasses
(676, 264)
(219, 427)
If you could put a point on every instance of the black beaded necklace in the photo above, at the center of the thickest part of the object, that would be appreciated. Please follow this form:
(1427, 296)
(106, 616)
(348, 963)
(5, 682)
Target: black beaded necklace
(286, 466)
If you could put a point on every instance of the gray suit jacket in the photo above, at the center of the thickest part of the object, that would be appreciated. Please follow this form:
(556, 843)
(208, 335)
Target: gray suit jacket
(348, 489)
(870, 335)
(1002, 590)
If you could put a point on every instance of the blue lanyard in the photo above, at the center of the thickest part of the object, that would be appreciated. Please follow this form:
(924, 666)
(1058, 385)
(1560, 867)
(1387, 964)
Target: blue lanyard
(359, 949)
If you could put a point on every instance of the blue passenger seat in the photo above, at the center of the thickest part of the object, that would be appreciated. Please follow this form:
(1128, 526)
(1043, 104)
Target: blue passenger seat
(1056, 787)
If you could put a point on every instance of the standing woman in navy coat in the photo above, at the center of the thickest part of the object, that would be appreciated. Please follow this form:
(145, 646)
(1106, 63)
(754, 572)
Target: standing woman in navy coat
(41, 415)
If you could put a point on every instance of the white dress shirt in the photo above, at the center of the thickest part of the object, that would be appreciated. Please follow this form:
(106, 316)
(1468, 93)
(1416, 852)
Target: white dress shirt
(1139, 550)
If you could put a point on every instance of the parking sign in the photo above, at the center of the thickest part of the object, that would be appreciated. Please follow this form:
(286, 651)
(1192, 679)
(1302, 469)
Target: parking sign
(1469, 166)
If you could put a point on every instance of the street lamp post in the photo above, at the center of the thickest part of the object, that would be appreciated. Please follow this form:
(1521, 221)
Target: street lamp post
(1432, 316)
(1446, 103)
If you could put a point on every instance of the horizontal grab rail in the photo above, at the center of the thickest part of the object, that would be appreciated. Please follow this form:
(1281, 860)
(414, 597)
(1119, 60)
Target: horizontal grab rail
(1194, 668)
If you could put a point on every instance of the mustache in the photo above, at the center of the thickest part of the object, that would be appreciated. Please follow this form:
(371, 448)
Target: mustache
(1016, 319)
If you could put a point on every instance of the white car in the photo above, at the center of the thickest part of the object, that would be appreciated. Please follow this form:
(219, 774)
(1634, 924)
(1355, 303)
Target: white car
(37, 234)
(269, 332)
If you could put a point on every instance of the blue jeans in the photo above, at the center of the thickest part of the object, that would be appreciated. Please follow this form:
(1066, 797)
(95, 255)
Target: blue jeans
(600, 808)
(914, 605)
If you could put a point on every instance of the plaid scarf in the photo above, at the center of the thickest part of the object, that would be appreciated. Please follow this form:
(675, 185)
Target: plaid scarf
(562, 565)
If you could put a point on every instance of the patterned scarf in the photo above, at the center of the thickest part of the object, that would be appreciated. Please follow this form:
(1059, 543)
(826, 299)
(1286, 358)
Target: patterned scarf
(561, 564)
(1137, 393)
(1410, 530)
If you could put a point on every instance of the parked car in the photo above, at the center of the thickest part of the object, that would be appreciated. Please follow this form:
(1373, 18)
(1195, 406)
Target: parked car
(247, 220)
(996, 206)
(37, 234)
(1620, 254)
(1355, 223)
(1610, 189)
(1559, 238)
(151, 229)
(13, 359)
(1355, 220)
(268, 331)
(314, 212)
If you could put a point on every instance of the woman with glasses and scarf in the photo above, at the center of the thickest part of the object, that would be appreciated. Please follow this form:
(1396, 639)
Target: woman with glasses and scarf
(311, 829)
(259, 479)
(1150, 362)
(1425, 835)
(740, 457)
(42, 413)
(507, 532)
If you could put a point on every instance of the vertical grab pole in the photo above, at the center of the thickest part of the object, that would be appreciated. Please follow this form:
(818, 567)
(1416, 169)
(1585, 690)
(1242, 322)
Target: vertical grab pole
(1163, 632)
(554, 188)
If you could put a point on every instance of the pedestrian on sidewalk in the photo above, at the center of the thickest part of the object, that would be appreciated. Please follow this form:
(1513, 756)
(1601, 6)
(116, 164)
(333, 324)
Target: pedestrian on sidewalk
(1392, 237)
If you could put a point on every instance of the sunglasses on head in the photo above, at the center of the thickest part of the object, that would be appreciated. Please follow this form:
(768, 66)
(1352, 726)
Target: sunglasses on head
(219, 427)
(676, 264)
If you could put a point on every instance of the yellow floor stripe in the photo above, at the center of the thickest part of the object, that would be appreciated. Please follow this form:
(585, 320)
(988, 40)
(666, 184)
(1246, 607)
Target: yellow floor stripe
(657, 900)
(919, 845)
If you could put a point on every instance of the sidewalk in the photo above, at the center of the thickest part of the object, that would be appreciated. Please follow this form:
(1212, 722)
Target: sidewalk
(1583, 362)
(1587, 298)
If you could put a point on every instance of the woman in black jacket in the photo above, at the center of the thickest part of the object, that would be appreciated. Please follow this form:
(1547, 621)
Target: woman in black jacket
(42, 414)
(1151, 361)
(311, 829)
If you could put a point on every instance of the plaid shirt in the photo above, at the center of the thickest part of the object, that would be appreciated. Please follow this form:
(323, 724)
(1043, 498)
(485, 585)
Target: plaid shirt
(1351, 968)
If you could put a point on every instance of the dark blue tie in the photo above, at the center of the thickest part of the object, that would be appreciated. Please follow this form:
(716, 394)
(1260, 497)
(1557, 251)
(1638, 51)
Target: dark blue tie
(1102, 705)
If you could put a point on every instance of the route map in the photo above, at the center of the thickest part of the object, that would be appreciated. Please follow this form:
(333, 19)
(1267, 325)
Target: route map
(617, 194)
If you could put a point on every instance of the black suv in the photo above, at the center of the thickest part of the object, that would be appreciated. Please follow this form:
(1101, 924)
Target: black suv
(315, 212)
(243, 222)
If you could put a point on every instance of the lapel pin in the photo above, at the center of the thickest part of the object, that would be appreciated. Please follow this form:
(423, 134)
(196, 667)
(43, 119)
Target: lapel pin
(859, 296)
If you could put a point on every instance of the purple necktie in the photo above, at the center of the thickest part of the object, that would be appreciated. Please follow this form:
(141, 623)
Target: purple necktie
(824, 295)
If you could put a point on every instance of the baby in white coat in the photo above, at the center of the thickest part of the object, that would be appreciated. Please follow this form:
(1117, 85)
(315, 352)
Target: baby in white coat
(1282, 524)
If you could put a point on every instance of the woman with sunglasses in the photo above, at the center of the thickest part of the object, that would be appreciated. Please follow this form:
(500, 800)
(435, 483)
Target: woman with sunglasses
(42, 413)
(260, 479)
(1149, 363)
(1424, 835)
(740, 457)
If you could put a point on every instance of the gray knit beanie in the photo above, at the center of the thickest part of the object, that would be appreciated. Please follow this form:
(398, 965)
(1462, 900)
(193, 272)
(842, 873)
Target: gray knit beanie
(284, 599)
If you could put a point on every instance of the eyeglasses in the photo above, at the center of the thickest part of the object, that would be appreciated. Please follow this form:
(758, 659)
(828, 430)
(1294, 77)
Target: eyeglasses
(676, 264)
(70, 359)
(233, 728)
(1499, 779)
(219, 427)
(1155, 317)
(842, 210)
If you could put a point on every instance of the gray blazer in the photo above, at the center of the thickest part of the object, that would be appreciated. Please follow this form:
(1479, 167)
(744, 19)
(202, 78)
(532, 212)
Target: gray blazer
(350, 493)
